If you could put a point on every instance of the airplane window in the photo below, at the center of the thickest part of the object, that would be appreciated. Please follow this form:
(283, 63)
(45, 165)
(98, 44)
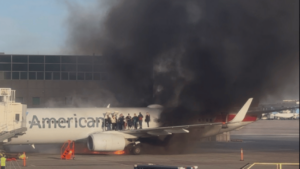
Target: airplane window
(210, 120)
(206, 120)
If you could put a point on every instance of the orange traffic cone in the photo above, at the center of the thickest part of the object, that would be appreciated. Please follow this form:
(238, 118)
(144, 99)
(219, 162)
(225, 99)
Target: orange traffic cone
(242, 155)
(24, 159)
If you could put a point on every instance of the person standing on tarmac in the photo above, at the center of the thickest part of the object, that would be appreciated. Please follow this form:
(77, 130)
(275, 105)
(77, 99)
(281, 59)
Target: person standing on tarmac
(3, 161)
(135, 120)
(113, 122)
(140, 120)
(147, 119)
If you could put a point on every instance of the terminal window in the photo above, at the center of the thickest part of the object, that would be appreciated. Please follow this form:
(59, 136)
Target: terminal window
(52, 59)
(72, 76)
(23, 75)
(68, 59)
(64, 76)
(80, 76)
(48, 75)
(99, 68)
(5, 67)
(19, 67)
(36, 59)
(15, 75)
(88, 76)
(68, 67)
(19, 59)
(40, 75)
(19, 99)
(32, 75)
(35, 101)
(85, 68)
(52, 67)
(5, 59)
(36, 67)
(56, 76)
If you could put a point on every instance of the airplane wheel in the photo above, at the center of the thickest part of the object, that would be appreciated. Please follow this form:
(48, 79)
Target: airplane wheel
(136, 149)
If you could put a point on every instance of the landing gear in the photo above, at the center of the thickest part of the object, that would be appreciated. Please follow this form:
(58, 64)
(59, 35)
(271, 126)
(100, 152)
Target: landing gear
(134, 149)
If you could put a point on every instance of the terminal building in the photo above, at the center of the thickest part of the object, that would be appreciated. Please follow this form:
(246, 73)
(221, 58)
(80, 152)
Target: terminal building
(56, 80)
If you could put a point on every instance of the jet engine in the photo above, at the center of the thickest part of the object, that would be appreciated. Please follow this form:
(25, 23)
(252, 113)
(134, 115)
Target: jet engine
(106, 142)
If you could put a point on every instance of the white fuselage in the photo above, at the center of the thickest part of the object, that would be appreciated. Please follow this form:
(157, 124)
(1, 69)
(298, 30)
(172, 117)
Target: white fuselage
(286, 115)
(73, 123)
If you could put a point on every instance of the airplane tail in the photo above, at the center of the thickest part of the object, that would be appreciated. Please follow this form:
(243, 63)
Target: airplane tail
(242, 113)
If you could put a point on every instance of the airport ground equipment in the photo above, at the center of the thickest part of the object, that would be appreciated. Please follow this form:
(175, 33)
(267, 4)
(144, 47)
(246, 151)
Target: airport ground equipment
(67, 150)
(242, 155)
(278, 165)
(151, 166)
(12, 116)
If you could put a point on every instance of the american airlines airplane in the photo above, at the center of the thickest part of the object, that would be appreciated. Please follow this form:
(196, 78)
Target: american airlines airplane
(57, 125)
(286, 115)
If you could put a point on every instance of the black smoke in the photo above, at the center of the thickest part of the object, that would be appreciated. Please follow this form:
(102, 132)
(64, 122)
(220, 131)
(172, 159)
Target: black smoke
(195, 57)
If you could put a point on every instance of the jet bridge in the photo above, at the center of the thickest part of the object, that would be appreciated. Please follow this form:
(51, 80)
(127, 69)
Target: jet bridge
(12, 116)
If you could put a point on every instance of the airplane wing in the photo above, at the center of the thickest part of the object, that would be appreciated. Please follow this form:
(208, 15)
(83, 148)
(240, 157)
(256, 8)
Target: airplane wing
(160, 131)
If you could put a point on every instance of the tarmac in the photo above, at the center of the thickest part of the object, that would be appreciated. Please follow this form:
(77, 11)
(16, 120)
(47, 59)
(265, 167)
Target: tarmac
(264, 141)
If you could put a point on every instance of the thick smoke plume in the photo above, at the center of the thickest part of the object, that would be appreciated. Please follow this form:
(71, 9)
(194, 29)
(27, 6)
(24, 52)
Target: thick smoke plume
(196, 57)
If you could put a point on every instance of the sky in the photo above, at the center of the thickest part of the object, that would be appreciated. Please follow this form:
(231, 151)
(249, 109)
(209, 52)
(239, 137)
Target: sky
(34, 26)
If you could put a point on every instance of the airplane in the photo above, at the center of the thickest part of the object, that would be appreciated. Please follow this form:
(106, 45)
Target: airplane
(286, 115)
(57, 125)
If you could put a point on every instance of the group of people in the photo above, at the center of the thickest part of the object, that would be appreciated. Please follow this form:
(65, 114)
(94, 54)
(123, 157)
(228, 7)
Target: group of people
(3, 158)
(128, 122)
